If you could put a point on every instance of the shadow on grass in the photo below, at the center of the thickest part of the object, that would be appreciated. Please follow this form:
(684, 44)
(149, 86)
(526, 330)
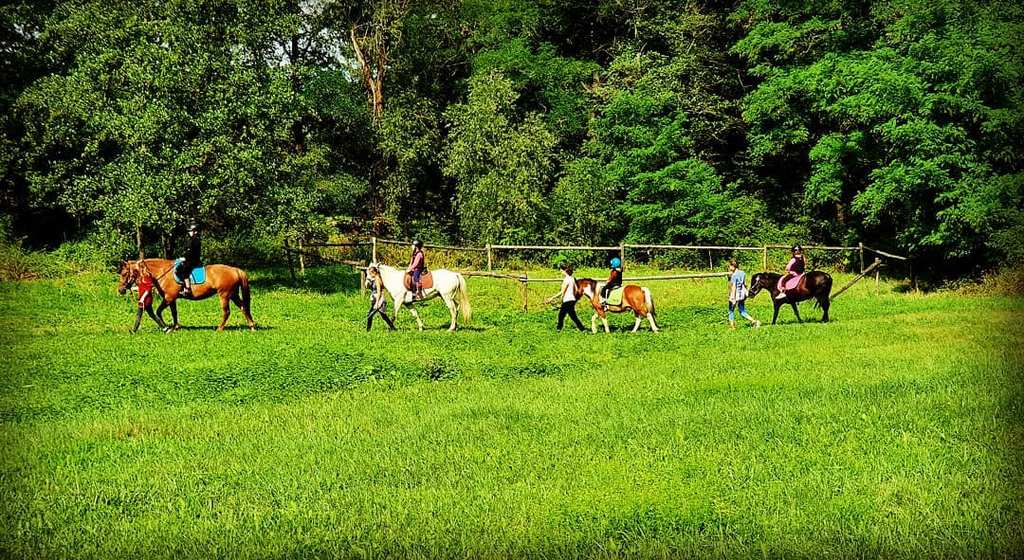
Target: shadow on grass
(259, 328)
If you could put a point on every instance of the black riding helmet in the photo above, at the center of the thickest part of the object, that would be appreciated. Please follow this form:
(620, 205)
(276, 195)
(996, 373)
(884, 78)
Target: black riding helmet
(193, 228)
(417, 243)
(798, 248)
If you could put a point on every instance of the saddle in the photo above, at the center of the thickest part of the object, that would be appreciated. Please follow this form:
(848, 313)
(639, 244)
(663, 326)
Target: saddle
(426, 281)
(197, 276)
(615, 296)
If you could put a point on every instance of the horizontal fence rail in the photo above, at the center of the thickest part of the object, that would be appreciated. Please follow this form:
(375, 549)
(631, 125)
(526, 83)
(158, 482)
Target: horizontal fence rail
(310, 251)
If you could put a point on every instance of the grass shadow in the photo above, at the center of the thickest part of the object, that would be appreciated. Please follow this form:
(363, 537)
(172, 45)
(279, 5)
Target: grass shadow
(226, 328)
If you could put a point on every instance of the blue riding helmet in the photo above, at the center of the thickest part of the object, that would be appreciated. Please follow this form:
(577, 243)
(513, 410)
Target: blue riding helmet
(616, 263)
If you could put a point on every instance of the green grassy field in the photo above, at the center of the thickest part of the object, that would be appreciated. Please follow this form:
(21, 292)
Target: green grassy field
(896, 430)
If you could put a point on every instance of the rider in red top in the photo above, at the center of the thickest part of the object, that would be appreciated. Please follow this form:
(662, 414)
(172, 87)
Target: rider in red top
(417, 264)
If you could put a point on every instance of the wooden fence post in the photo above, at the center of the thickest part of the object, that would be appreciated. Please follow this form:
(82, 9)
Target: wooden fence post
(302, 259)
(764, 260)
(288, 255)
(490, 261)
(526, 291)
(362, 282)
(860, 245)
(622, 254)
(373, 251)
(877, 274)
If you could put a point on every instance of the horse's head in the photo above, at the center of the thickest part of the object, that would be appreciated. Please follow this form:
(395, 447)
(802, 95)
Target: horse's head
(128, 275)
(585, 287)
(758, 282)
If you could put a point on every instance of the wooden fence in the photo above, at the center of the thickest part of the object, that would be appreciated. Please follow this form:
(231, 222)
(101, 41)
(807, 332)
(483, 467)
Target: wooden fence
(301, 252)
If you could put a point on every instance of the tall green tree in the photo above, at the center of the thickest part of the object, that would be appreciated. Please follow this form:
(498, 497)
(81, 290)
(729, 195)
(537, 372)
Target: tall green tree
(893, 121)
(501, 166)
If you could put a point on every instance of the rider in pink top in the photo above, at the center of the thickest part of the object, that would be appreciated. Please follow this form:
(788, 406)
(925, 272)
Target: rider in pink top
(793, 271)
(416, 265)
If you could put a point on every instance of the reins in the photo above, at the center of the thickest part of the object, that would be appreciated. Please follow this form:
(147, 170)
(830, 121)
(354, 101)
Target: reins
(157, 278)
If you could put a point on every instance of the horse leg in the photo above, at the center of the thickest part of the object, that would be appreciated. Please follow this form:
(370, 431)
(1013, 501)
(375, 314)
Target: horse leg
(416, 315)
(225, 308)
(824, 303)
(245, 310)
(174, 314)
(451, 309)
(398, 305)
(650, 319)
(796, 312)
(593, 323)
(775, 316)
(155, 317)
(636, 324)
(160, 312)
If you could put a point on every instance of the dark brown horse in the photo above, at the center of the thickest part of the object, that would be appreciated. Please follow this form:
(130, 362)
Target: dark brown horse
(228, 282)
(815, 285)
(634, 298)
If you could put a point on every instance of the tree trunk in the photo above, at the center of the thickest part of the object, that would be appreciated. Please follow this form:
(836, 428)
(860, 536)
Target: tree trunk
(138, 241)
(298, 127)
(373, 78)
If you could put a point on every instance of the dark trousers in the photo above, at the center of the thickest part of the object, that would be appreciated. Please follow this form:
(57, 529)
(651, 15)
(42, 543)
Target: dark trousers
(569, 308)
(375, 310)
(607, 288)
(184, 269)
(149, 310)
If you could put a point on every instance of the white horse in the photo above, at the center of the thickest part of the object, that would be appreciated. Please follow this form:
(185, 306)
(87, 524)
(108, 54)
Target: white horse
(447, 284)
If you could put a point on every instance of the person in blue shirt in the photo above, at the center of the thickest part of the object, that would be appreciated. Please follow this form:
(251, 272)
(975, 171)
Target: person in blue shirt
(738, 295)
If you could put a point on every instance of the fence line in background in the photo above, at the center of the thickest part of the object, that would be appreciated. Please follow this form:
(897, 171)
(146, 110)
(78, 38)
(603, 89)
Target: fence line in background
(524, 279)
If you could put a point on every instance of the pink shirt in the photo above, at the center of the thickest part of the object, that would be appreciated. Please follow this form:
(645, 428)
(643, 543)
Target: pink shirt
(416, 262)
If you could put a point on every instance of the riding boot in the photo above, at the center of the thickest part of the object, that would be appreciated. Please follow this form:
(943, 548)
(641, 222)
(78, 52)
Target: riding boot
(187, 290)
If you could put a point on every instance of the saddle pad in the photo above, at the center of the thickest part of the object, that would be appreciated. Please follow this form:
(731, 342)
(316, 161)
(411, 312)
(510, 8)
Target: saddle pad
(198, 275)
(615, 296)
(426, 280)
(791, 283)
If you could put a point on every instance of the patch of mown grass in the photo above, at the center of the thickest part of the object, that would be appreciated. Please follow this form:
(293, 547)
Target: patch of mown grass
(894, 431)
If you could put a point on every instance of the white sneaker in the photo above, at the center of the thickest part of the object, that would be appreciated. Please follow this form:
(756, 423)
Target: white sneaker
(782, 295)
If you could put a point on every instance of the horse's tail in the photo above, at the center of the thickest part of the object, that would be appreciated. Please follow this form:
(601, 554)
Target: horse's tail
(826, 289)
(464, 307)
(649, 302)
(243, 287)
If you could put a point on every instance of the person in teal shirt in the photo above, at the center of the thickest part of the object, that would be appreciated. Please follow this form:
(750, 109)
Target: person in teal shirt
(738, 295)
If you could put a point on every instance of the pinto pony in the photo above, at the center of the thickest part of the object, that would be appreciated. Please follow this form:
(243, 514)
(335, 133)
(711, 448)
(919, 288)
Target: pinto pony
(229, 283)
(448, 285)
(634, 298)
(815, 285)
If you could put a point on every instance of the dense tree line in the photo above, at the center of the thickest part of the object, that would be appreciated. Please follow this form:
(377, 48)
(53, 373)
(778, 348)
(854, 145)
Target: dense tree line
(896, 122)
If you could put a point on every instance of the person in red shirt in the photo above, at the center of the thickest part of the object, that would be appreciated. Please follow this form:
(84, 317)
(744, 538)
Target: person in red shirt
(144, 282)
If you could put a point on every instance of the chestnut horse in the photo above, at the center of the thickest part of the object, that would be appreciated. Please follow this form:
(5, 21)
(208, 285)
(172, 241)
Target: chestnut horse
(229, 283)
(634, 298)
(813, 285)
